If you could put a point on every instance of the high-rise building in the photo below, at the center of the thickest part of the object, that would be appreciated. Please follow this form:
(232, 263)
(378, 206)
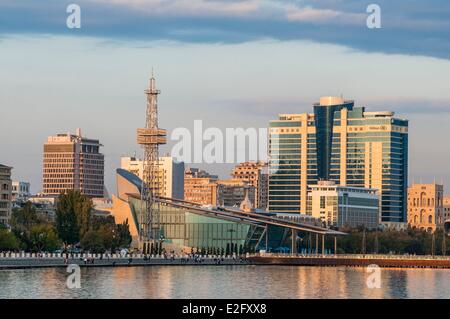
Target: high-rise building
(341, 143)
(5, 194)
(344, 205)
(170, 179)
(200, 187)
(231, 192)
(73, 162)
(254, 173)
(426, 206)
(20, 191)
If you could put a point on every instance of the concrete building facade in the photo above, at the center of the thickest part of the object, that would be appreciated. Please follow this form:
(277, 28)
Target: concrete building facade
(426, 206)
(200, 187)
(341, 206)
(232, 192)
(256, 174)
(340, 143)
(73, 162)
(446, 208)
(5, 194)
(171, 174)
(20, 191)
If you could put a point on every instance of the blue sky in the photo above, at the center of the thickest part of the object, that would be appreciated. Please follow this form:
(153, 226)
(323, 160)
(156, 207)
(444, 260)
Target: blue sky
(230, 63)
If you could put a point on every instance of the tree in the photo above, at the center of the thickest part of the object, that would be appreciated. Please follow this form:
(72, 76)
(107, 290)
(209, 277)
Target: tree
(73, 216)
(8, 241)
(43, 238)
(93, 242)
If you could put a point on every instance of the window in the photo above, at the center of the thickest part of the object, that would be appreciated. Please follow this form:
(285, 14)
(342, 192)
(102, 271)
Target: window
(322, 202)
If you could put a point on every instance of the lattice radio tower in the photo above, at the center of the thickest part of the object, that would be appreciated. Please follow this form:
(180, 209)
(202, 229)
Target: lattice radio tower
(150, 138)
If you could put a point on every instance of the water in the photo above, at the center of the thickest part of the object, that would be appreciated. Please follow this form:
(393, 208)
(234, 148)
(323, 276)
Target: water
(225, 282)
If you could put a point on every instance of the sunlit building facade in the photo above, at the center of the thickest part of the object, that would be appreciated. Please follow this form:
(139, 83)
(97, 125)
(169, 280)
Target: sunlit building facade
(426, 206)
(73, 162)
(341, 143)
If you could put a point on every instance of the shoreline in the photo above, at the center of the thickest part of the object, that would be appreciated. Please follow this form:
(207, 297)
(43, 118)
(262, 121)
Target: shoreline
(264, 260)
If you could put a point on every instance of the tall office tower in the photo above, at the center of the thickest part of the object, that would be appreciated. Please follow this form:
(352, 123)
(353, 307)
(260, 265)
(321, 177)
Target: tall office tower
(254, 173)
(170, 175)
(200, 187)
(341, 143)
(426, 206)
(73, 162)
(5, 194)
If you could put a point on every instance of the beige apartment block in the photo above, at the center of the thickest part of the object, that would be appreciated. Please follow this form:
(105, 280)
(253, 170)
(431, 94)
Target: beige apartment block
(170, 174)
(73, 162)
(232, 192)
(426, 206)
(254, 173)
(5, 194)
(200, 187)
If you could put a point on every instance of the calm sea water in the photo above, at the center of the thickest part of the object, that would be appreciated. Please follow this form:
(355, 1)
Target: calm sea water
(225, 282)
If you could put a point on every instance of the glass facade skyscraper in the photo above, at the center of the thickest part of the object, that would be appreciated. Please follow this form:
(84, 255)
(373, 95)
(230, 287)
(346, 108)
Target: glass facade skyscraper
(341, 143)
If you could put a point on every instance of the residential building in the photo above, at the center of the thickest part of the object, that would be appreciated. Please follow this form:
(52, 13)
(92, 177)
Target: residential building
(341, 143)
(170, 178)
(426, 206)
(446, 208)
(73, 162)
(5, 194)
(341, 206)
(20, 191)
(231, 192)
(256, 174)
(200, 187)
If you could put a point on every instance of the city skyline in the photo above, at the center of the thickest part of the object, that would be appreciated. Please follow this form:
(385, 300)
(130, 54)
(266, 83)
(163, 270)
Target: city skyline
(109, 72)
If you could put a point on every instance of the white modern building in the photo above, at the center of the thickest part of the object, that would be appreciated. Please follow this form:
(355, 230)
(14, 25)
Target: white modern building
(171, 174)
(341, 206)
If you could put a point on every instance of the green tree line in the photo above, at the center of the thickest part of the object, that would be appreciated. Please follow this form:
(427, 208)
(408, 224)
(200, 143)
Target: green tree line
(74, 225)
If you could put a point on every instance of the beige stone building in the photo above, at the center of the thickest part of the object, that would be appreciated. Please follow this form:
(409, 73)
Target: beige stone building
(5, 194)
(73, 162)
(171, 174)
(200, 187)
(231, 192)
(254, 173)
(426, 206)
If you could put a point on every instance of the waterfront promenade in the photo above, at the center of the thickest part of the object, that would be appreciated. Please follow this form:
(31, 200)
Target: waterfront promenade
(29, 260)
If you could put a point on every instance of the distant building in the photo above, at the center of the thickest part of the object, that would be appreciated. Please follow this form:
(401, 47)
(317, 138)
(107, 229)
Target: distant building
(171, 174)
(341, 206)
(200, 187)
(44, 205)
(232, 192)
(20, 191)
(73, 162)
(254, 173)
(5, 194)
(344, 144)
(446, 208)
(426, 206)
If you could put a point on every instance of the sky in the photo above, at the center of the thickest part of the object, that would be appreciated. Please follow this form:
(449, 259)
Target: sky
(228, 63)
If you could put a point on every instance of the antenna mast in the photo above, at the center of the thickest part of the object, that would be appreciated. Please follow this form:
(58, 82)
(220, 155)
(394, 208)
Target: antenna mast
(150, 138)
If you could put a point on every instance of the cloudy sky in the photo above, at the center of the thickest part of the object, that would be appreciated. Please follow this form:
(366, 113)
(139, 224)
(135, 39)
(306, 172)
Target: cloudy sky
(230, 63)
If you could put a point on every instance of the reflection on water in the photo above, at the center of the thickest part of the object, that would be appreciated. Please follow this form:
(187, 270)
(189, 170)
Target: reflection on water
(225, 282)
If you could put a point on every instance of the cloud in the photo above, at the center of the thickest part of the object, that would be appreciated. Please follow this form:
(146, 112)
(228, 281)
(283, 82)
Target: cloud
(413, 28)
(193, 8)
